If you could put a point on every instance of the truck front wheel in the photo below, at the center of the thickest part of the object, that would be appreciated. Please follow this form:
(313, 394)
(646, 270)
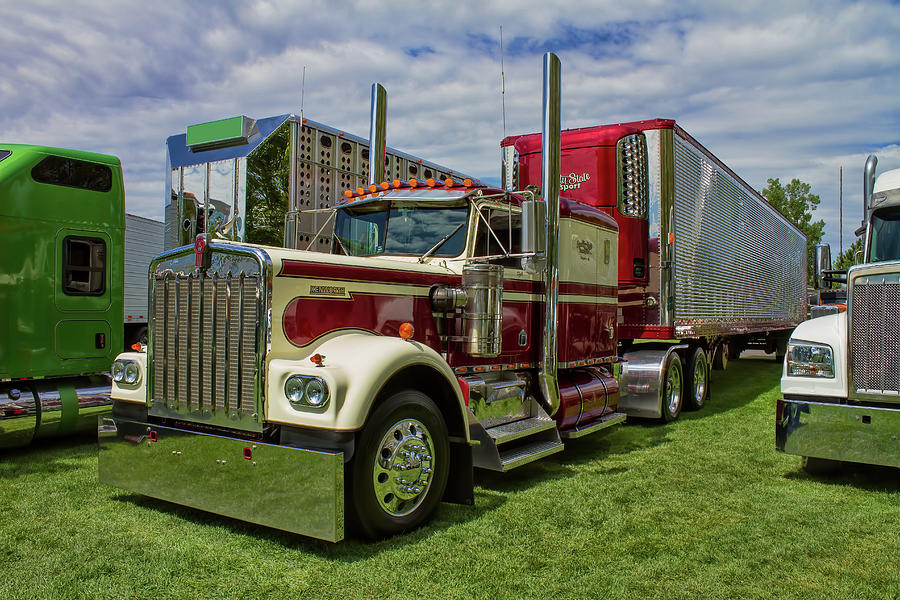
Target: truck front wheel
(819, 466)
(399, 473)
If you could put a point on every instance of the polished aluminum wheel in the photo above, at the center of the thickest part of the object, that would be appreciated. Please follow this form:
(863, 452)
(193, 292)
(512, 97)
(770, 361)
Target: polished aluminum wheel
(700, 377)
(403, 468)
(673, 390)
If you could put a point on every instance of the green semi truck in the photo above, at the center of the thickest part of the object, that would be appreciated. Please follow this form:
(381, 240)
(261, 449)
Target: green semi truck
(62, 279)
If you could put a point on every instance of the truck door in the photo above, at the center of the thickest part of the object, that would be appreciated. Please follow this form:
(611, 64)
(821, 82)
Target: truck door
(82, 293)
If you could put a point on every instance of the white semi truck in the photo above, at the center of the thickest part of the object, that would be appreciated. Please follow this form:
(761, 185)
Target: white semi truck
(841, 381)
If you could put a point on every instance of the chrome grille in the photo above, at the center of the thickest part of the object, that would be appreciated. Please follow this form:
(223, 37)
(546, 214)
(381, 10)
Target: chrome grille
(875, 334)
(205, 354)
(632, 175)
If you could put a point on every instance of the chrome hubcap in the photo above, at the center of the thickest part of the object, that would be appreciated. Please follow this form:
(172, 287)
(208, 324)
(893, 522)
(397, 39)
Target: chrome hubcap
(403, 467)
(673, 390)
(700, 380)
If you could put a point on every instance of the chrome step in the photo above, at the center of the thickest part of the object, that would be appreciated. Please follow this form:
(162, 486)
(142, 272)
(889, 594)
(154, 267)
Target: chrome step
(522, 455)
(596, 425)
(508, 432)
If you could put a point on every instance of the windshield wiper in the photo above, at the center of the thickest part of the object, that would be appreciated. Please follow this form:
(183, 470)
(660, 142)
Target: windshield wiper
(434, 248)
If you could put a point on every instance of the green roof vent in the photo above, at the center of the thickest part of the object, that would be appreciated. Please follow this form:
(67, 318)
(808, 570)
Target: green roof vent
(220, 134)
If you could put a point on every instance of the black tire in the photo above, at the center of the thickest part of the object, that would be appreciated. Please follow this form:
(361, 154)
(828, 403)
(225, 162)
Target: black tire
(672, 391)
(696, 382)
(406, 431)
(820, 466)
(721, 354)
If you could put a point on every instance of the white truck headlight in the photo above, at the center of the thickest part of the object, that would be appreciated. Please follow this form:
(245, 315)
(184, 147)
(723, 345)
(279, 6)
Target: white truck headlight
(303, 391)
(132, 373)
(118, 371)
(807, 359)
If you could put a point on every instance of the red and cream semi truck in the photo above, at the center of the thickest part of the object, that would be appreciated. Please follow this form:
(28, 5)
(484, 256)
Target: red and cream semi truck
(706, 266)
(452, 326)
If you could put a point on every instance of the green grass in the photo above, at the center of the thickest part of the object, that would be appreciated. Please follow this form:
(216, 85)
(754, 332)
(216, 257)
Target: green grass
(700, 508)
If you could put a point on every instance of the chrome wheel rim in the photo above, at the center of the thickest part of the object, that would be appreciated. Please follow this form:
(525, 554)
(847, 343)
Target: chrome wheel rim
(673, 390)
(699, 381)
(404, 466)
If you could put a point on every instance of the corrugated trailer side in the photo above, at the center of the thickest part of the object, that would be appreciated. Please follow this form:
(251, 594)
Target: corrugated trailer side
(143, 241)
(739, 265)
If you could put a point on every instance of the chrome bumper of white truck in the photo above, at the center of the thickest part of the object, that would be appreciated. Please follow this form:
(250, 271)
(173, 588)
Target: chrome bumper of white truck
(294, 489)
(859, 434)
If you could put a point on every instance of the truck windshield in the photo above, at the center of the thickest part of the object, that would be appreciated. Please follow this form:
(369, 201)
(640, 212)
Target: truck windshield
(885, 243)
(381, 228)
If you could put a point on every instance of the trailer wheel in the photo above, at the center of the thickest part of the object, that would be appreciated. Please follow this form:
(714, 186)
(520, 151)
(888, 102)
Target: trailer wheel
(673, 388)
(720, 356)
(401, 466)
(819, 466)
(696, 384)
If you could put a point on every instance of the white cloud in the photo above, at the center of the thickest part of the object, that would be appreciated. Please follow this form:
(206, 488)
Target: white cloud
(790, 89)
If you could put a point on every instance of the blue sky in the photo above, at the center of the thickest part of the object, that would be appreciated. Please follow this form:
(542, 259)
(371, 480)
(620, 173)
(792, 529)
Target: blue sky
(775, 89)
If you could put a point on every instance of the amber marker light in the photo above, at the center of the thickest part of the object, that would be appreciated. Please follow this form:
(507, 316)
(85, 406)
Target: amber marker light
(396, 183)
(360, 190)
(136, 346)
(406, 331)
(413, 182)
(671, 238)
(449, 182)
(373, 188)
(467, 182)
(431, 182)
(348, 193)
(317, 359)
(385, 185)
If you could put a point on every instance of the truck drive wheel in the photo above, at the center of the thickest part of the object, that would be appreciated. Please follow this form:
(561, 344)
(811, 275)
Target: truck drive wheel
(672, 388)
(399, 473)
(696, 384)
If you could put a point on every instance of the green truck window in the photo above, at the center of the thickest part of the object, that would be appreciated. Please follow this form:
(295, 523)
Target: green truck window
(4, 154)
(69, 172)
(84, 266)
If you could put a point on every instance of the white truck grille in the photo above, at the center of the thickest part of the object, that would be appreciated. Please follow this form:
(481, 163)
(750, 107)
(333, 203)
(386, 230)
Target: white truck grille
(875, 335)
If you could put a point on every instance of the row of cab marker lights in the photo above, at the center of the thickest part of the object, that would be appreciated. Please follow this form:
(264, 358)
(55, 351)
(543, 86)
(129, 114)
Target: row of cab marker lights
(363, 192)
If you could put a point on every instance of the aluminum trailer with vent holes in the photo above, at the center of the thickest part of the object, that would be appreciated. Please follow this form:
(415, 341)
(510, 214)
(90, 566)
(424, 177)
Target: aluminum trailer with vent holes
(705, 264)
(841, 380)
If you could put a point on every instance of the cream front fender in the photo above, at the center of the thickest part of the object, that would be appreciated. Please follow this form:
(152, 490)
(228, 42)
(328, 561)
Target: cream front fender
(356, 367)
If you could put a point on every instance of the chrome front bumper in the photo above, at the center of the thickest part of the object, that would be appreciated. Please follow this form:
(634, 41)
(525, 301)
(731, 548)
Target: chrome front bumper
(857, 434)
(294, 489)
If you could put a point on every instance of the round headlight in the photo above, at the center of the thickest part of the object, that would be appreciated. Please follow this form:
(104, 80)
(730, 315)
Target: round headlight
(118, 371)
(316, 393)
(132, 373)
(293, 389)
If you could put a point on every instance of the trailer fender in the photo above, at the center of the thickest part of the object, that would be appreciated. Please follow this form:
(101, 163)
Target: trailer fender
(356, 367)
(643, 371)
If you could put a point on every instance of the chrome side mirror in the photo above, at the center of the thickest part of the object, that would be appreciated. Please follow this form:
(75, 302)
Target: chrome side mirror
(822, 264)
(534, 235)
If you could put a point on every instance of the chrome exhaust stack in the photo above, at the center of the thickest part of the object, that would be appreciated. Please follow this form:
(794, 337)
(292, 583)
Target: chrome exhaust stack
(550, 152)
(377, 134)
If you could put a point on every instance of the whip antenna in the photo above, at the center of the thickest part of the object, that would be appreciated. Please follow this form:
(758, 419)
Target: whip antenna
(502, 85)
(302, 90)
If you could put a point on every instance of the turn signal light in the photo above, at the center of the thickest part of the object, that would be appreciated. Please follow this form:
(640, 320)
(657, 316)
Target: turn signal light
(317, 359)
(406, 331)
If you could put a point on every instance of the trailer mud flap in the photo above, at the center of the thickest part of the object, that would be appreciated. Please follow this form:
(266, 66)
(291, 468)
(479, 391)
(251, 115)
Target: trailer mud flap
(294, 489)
